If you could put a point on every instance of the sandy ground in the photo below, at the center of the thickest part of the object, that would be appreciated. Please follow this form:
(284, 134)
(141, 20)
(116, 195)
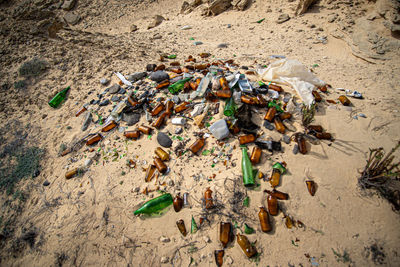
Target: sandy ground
(89, 220)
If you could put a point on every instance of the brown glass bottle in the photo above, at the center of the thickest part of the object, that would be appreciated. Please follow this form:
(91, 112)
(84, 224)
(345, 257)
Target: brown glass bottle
(109, 126)
(275, 88)
(169, 108)
(164, 156)
(276, 174)
(279, 125)
(323, 136)
(317, 96)
(193, 85)
(272, 205)
(157, 109)
(344, 100)
(224, 83)
(245, 139)
(163, 84)
(301, 142)
(149, 173)
(315, 128)
(311, 187)
(256, 155)
(145, 129)
(181, 227)
(261, 102)
(197, 145)
(233, 128)
(178, 203)
(219, 257)
(160, 120)
(71, 173)
(182, 107)
(246, 246)
(278, 194)
(270, 114)
(248, 100)
(208, 199)
(223, 93)
(132, 134)
(225, 233)
(285, 116)
(79, 112)
(264, 220)
(160, 165)
(94, 139)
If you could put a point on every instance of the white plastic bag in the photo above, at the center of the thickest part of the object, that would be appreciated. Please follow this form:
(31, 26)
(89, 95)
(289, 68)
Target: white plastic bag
(294, 73)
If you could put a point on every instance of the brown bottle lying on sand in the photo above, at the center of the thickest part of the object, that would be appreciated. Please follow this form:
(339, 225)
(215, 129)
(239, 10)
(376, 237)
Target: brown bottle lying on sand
(208, 199)
(270, 114)
(278, 194)
(71, 173)
(323, 136)
(317, 96)
(275, 88)
(162, 84)
(164, 156)
(315, 128)
(181, 227)
(157, 109)
(223, 93)
(132, 134)
(344, 100)
(219, 257)
(245, 139)
(272, 205)
(169, 108)
(160, 120)
(279, 125)
(160, 165)
(246, 246)
(145, 129)
(109, 126)
(94, 139)
(182, 107)
(178, 203)
(225, 233)
(256, 155)
(248, 100)
(149, 173)
(197, 145)
(79, 112)
(285, 116)
(264, 220)
(301, 142)
(311, 187)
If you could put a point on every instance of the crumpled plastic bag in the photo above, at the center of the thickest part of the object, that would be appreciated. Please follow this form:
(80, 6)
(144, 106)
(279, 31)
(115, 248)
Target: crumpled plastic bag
(294, 73)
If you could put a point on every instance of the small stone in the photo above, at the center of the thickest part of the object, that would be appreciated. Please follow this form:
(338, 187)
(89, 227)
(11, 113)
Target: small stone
(133, 28)
(286, 139)
(151, 67)
(164, 260)
(296, 149)
(72, 18)
(228, 26)
(206, 239)
(137, 189)
(114, 89)
(198, 43)
(282, 18)
(121, 91)
(362, 115)
(228, 260)
(157, 36)
(176, 99)
(164, 140)
(115, 98)
(165, 239)
(46, 183)
(178, 130)
(131, 118)
(104, 103)
(332, 17)
(137, 76)
(68, 5)
(88, 162)
(269, 125)
(159, 76)
(170, 182)
(156, 21)
(104, 81)
(222, 45)
(87, 121)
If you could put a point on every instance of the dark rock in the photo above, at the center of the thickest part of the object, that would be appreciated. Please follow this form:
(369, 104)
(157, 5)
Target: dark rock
(115, 98)
(282, 18)
(159, 76)
(286, 139)
(131, 118)
(156, 21)
(96, 102)
(87, 121)
(104, 103)
(222, 45)
(269, 125)
(133, 28)
(276, 146)
(121, 91)
(244, 67)
(72, 18)
(137, 76)
(46, 183)
(151, 67)
(164, 140)
(295, 149)
(68, 5)
(114, 89)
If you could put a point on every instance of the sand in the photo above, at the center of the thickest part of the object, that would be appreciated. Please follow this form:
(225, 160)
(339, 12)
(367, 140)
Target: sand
(89, 221)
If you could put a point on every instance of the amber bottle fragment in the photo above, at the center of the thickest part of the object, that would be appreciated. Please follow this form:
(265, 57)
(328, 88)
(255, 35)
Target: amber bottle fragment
(208, 199)
(245, 139)
(132, 134)
(264, 220)
(157, 109)
(285, 116)
(279, 125)
(225, 233)
(71, 173)
(311, 187)
(272, 205)
(160, 120)
(178, 203)
(181, 227)
(256, 155)
(278, 194)
(224, 83)
(223, 93)
(94, 139)
(160, 165)
(261, 101)
(163, 84)
(275, 88)
(182, 107)
(164, 156)
(323, 136)
(270, 114)
(317, 96)
(79, 112)
(109, 126)
(149, 173)
(169, 108)
(248, 100)
(145, 129)
(301, 142)
(344, 100)
(246, 246)
(315, 128)
(197, 145)
(219, 257)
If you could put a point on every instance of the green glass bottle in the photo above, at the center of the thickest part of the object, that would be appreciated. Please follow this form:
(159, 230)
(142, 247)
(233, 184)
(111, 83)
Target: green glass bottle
(59, 97)
(230, 107)
(176, 87)
(155, 205)
(247, 169)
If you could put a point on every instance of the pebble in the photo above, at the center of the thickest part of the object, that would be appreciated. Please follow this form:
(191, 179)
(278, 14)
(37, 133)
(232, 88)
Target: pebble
(176, 99)
(164, 259)
(137, 189)
(87, 121)
(131, 118)
(46, 183)
(295, 149)
(164, 140)
(137, 76)
(269, 125)
(286, 139)
(88, 162)
(151, 67)
(282, 18)
(228, 260)
(178, 130)
(362, 115)
(198, 43)
(121, 91)
(159, 76)
(113, 89)
(222, 45)
(165, 239)
(104, 81)
(170, 182)
(115, 98)
(121, 129)
(206, 239)
(186, 27)
(104, 103)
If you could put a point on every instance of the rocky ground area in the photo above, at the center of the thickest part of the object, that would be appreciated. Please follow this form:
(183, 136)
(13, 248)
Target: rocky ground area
(47, 220)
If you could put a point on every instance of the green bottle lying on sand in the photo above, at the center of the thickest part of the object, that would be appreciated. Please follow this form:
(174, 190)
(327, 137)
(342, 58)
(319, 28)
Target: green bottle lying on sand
(58, 98)
(155, 205)
(247, 169)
